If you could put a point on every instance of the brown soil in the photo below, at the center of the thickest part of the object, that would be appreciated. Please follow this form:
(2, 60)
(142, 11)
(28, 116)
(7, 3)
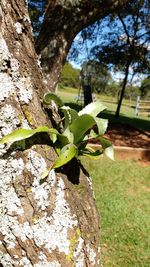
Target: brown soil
(125, 135)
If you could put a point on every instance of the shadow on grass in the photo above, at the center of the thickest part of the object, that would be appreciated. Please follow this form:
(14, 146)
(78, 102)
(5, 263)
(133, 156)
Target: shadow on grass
(138, 123)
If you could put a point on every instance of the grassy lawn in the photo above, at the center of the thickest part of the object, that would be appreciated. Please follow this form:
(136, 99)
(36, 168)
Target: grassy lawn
(122, 196)
(127, 114)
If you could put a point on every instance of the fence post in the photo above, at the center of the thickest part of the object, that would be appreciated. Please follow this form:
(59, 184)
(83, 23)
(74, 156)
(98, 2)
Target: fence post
(137, 105)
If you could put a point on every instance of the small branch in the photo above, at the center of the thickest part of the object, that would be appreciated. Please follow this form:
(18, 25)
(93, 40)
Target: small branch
(124, 27)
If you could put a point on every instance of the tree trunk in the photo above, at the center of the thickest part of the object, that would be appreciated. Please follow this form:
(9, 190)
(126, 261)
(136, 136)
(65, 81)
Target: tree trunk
(63, 20)
(42, 223)
(87, 94)
(123, 89)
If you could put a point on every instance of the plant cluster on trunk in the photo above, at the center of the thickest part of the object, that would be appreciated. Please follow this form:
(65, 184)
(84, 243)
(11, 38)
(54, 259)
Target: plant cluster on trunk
(51, 222)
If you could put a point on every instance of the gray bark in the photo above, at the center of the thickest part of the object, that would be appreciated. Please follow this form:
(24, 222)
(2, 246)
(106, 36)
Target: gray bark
(42, 223)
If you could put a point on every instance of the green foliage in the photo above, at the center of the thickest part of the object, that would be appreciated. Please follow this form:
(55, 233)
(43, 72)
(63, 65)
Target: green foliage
(66, 154)
(77, 134)
(112, 89)
(21, 134)
(145, 87)
(95, 74)
(69, 76)
(120, 42)
(125, 39)
(127, 115)
(49, 97)
(132, 91)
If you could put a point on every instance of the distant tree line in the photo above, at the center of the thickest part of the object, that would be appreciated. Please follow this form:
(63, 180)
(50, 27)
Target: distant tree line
(120, 42)
(70, 76)
(101, 81)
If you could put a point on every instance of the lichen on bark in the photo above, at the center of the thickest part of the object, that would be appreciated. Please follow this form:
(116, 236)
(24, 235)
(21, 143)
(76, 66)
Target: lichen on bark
(42, 222)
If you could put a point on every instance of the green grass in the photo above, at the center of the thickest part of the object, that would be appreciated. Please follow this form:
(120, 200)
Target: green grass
(122, 194)
(127, 113)
(68, 94)
(122, 191)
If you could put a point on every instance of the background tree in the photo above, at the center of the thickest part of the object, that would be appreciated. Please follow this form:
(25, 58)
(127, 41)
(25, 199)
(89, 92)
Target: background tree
(126, 44)
(99, 75)
(69, 76)
(94, 77)
(145, 87)
(113, 89)
(70, 18)
(43, 222)
(121, 41)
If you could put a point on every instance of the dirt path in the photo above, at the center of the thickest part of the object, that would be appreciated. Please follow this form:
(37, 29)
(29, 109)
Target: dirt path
(125, 135)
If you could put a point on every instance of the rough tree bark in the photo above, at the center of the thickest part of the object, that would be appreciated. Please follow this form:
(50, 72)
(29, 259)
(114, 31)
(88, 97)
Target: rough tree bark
(42, 223)
(63, 20)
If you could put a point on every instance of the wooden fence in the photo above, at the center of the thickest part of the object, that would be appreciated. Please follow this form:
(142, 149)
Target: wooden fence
(142, 107)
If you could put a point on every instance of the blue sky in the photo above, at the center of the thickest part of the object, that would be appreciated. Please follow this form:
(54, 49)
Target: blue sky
(84, 51)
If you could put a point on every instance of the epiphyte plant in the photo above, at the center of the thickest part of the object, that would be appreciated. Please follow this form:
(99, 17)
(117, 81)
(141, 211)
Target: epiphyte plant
(80, 129)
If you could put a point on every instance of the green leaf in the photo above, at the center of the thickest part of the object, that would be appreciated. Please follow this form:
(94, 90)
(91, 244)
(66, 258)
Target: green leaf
(53, 137)
(109, 152)
(104, 142)
(101, 125)
(66, 154)
(95, 155)
(80, 126)
(53, 134)
(48, 97)
(92, 109)
(70, 115)
(93, 134)
(63, 140)
(69, 135)
(107, 146)
(21, 134)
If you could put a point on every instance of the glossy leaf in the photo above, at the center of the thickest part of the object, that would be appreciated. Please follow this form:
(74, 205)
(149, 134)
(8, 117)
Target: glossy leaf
(21, 134)
(69, 135)
(66, 154)
(70, 115)
(108, 148)
(92, 134)
(92, 109)
(109, 152)
(53, 133)
(63, 140)
(48, 97)
(80, 126)
(101, 125)
(95, 155)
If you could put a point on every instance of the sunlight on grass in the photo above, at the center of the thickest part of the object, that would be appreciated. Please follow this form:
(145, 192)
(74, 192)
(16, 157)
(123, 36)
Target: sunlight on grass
(127, 113)
(68, 94)
(122, 196)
